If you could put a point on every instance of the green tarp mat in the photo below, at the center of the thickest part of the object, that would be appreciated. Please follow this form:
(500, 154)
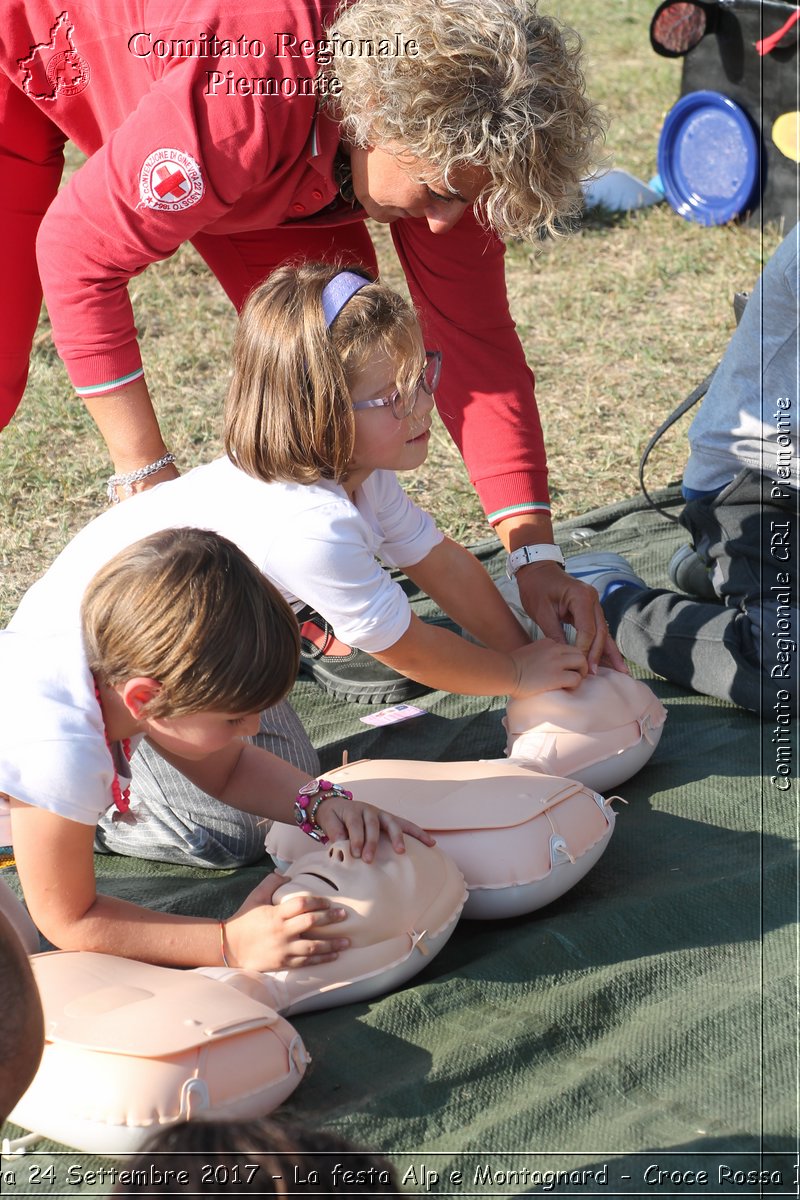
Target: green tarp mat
(637, 1033)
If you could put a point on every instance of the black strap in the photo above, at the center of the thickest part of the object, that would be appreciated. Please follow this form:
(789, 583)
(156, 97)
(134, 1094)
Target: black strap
(306, 613)
(674, 416)
(739, 303)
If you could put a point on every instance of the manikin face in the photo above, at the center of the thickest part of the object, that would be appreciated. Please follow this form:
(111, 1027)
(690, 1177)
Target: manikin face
(381, 441)
(386, 184)
(396, 894)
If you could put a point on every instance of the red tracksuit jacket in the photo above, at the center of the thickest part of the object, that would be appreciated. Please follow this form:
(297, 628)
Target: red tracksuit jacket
(180, 150)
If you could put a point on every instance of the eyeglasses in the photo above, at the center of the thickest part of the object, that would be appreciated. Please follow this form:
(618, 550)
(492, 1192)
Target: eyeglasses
(403, 406)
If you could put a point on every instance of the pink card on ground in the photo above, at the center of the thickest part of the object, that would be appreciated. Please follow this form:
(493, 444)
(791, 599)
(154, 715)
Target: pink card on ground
(393, 715)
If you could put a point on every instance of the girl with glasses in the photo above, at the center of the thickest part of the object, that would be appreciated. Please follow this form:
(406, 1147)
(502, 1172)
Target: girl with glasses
(332, 393)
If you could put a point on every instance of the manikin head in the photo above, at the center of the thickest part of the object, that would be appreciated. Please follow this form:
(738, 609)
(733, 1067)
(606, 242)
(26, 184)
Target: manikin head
(401, 909)
(394, 897)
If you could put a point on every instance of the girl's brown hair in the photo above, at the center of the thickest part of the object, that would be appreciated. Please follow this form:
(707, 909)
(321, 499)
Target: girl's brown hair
(186, 607)
(288, 414)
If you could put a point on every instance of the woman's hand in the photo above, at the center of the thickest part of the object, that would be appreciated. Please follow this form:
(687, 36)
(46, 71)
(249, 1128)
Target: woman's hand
(552, 598)
(362, 824)
(300, 932)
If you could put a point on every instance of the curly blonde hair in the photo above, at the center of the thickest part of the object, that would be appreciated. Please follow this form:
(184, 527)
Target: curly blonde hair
(493, 83)
(288, 412)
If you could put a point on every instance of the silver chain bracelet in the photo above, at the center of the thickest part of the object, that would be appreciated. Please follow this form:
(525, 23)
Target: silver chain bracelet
(126, 482)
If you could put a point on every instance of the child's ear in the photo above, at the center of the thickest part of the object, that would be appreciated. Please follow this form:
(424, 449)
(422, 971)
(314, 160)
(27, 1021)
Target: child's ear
(137, 694)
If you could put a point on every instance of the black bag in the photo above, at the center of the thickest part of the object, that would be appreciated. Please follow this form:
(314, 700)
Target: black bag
(727, 61)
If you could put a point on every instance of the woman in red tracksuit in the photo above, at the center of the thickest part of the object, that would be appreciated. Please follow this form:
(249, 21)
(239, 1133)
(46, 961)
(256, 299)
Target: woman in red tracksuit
(214, 126)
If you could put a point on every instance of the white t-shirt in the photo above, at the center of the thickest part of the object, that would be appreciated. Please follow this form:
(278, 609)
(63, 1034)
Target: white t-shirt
(310, 540)
(53, 751)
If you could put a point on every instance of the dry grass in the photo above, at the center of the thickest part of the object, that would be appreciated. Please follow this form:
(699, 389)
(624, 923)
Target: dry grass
(619, 322)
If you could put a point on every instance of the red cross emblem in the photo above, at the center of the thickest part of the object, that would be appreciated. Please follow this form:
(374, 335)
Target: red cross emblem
(170, 180)
(172, 184)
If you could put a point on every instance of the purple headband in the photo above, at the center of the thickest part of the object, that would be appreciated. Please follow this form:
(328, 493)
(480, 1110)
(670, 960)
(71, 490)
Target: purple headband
(336, 293)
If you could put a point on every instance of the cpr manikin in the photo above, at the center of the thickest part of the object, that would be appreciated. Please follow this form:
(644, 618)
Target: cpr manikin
(601, 733)
(131, 1047)
(401, 909)
(520, 838)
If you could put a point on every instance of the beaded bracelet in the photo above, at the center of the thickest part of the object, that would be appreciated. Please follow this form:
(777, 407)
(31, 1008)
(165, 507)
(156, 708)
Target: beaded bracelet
(126, 482)
(317, 790)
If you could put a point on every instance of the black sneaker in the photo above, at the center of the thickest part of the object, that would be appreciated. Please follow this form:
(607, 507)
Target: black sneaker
(347, 673)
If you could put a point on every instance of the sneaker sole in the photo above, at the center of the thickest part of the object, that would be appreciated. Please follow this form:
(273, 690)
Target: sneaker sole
(381, 692)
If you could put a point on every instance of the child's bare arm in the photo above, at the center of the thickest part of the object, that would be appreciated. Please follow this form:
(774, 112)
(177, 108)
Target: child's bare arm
(56, 869)
(253, 780)
(463, 588)
(445, 661)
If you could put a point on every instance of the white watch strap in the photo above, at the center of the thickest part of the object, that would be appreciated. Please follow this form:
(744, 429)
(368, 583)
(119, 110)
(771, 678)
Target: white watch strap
(531, 554)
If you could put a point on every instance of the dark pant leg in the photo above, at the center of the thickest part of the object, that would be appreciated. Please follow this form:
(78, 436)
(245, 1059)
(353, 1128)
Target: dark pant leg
(744, 648)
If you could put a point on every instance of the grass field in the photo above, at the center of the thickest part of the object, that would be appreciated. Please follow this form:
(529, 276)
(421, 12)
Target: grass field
(619, 322)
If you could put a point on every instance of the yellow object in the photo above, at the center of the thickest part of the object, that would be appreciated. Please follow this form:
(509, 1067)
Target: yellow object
(786, 135)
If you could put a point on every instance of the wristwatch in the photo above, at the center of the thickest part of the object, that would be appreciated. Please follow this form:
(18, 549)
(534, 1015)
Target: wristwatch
(531, 554)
